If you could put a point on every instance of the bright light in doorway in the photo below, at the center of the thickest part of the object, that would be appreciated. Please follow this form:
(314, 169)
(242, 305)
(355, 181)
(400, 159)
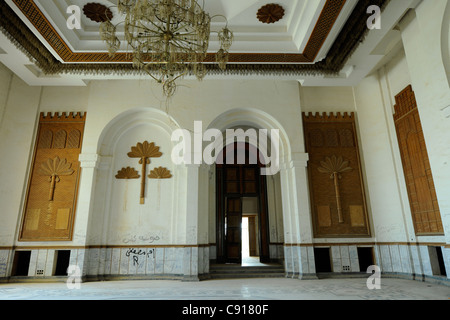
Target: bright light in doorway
(245, 238)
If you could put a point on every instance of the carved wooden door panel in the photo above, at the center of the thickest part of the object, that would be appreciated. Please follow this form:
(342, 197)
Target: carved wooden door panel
(233, 229)
(416, 165)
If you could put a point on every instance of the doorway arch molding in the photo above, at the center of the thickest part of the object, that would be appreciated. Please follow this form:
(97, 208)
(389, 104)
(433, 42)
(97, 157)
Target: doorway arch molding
(254, 118)
(247, 118)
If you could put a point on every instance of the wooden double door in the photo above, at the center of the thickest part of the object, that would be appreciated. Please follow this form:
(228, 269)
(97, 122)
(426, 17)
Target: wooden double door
(233, 183)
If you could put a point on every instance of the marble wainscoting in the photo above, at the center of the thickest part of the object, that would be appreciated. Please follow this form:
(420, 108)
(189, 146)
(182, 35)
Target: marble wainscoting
(5, 264)
(187, 263)
(398, 260)
(29, 264)
(299, 261)
(414, 261)
(276, 251)
(191, 262)
(182, 262)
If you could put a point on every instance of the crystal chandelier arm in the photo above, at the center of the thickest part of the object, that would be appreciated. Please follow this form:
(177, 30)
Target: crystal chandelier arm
(155, 25)
(180, 75)
(221, 15)
(147, 29)
(180, 45)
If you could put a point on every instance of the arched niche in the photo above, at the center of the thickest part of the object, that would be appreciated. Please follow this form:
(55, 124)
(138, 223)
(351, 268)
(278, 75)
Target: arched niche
(118, 216)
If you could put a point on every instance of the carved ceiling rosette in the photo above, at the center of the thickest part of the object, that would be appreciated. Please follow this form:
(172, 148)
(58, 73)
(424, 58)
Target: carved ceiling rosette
(270, 13)
(97, 12)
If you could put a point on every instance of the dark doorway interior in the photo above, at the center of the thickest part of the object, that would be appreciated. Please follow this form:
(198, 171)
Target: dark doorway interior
(322, 260)
(21, 263)
(365, 257)
(441, 261)
(62, 262)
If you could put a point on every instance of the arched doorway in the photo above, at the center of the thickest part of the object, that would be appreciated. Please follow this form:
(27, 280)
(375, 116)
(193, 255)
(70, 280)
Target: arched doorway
(239, 182)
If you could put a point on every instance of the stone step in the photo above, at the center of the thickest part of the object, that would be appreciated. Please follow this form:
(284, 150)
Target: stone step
(229, 271)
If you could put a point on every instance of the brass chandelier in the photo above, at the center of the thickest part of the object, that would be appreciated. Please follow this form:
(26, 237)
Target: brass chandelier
(168, 38)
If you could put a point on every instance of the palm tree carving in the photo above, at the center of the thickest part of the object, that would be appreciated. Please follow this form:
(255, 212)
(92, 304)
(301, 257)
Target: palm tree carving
(144, 151)
(334, 166)
(54, 168)
(160, 173)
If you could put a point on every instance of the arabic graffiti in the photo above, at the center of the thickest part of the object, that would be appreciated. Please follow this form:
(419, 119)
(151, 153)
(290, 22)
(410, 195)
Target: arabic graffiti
(136, 253)
(144, 238)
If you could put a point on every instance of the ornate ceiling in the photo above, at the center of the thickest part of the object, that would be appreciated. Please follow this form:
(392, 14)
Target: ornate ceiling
(311, 39)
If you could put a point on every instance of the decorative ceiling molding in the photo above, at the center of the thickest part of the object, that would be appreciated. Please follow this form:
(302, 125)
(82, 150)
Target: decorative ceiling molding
(325, 23)
(351, 35)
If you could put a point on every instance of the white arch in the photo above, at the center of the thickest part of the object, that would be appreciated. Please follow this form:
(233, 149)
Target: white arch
(250, 117)
(130, 119)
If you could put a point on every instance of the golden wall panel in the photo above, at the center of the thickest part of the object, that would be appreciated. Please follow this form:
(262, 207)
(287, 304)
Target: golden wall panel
(32, 221)
(53, 183)
(324, 216)
(336, 189)
(357, 216)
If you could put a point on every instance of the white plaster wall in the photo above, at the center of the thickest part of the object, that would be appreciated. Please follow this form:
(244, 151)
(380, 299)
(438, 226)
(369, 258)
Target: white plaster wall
(5, 86)
(199, 101)
(398, 76)
(327, 99)
(16, 135)
(380, 172)
(64, 99)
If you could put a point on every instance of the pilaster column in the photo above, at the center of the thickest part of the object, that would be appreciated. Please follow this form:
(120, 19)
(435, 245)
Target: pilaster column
(299, 254)
(89, 164)
(196, 259)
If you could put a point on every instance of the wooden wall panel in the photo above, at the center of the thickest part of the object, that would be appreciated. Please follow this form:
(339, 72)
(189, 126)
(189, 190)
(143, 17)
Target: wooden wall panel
(338, 204)
(52, 188)
(416, 166)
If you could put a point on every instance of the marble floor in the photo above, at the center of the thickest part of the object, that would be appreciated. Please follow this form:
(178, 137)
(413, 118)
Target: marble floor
(234, 289)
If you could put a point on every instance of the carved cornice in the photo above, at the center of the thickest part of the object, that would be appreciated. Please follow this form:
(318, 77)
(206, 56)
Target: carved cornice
(58, 117)
(328, 117)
